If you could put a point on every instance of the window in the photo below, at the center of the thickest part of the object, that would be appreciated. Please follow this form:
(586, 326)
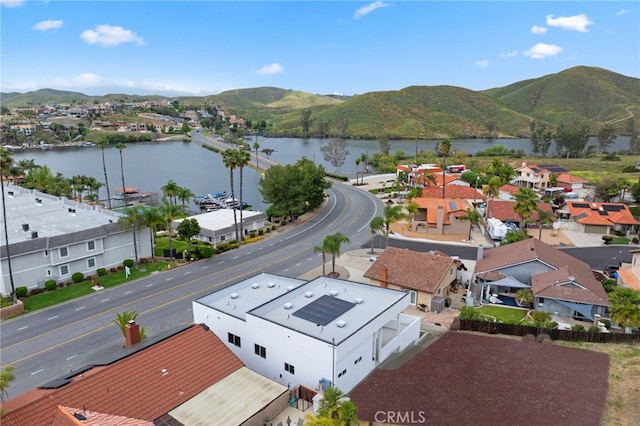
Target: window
(234, 340)
(290, 368)
(64, 270)
(412, 296)
(261, 351)
(91, 245)
(222, 238)
(91, 263)
(64, 252)
(342, 373)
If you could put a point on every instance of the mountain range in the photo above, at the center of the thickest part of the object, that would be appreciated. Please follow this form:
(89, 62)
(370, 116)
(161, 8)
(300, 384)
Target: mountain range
(580, 94)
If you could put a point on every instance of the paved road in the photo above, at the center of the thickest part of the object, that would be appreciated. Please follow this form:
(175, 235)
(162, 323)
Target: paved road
(47, 344)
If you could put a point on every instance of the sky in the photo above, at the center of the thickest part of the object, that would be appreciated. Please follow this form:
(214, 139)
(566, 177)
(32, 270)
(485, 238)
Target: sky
(182, 48)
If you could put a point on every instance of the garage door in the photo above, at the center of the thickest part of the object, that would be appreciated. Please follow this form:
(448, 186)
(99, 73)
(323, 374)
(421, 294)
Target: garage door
(595, 229)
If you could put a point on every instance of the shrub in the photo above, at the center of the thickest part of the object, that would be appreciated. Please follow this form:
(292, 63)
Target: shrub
(606, 323)
(273, 227)
(540, 318)
(37, 291)
(205, 252)
(619, 233)
(284, 222)
(268, 230)
(577, 327)
(252, 234)
(128, 263)
(635, 240)
(144, 260)
(77, 277)
(594, 329)
(607, 239)
(101, 272)
(21, 292)
(50, 285)
(260, 232)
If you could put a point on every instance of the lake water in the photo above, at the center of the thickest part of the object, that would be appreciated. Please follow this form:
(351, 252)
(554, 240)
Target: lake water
(149, 166)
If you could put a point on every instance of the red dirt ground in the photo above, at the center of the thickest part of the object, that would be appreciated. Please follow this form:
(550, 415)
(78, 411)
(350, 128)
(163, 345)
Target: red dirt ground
(465, 379)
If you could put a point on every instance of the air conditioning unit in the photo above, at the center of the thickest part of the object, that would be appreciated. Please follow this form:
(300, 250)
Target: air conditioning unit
(289, 288)
(334, 293)
(234, 295)
(271, 285)
(308, 294)
(358, 300)
(341, 323)
(288, 305)
(255, 285)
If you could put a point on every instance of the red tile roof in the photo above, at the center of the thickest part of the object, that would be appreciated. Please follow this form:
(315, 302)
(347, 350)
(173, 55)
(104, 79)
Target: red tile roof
(567, 178)
(449, 205)
(453, 191)
(511, 189)
(135, 386)
(411, 269)
(503, 210)
(595, 213)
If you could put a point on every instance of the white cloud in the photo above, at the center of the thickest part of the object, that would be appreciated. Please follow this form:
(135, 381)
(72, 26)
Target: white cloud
(48, 25)
(108, 36)
(11, 3)
(271, 69)
(482, 64)
(538, 30)
(575, 23)
(363, 11)
(622, 12)
(542, 50)
(509, 54)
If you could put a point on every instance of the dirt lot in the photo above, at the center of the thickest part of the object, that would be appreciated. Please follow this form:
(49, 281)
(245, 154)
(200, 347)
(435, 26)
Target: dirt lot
(466, 378)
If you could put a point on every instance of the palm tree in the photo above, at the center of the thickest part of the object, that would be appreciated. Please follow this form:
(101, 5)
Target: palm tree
(169, 213)
(474, 217)
(412, 209)
(6, 161)
(334, 243)
(6, 377)
(526, 203)
(545, 217)
(184, 195)
(429, 178)
(120, 146)
(622, 184)
(376, 225)
(624, 307)
(323, 249)
(151, 217)
(335, 407)
(493, 188)
(256, 146)
(122, 319)
(229, 159)
(392, 214)
(242, 159)
(170, 190)
(444, 149)
(102, 143)
(131, 220)
(524, 296)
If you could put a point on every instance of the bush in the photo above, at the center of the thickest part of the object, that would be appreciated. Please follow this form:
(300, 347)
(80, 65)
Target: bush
(607, 239)
(273, 227)
(101, 272)
(205, 252)
(577, 327)
(50, 285)
(606, 323)
(260, 232)
(252, 234)
(128, 263)
(635, 240)
(540, 318)
(21, 292)
(77, 277)
(594, 329)
(268, 230)
(620, 233)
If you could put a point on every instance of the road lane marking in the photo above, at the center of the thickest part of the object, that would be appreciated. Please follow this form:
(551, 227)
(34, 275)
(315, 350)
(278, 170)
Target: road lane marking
(105, 300)
(127, 292)
(249, 252)
(52, 318)
(22, 328)
(286, 270)
(149, 285)
(311, 258)
(222, 261)
(39, 371)
(169, 279)
(205, 267)
(298, 264)
(235, 257)
(72, 357)
(80, 308)
(187, 273)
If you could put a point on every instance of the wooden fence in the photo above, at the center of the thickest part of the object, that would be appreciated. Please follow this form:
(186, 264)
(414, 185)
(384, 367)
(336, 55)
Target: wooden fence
(555, 334)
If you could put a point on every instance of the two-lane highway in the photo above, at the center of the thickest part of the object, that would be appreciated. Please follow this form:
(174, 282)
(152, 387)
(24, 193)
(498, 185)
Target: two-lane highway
(47, 344)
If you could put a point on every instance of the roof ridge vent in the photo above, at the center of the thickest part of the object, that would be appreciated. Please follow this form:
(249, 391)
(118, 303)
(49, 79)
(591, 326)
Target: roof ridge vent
(255, 285)
(234, 295)
(270, 284)
(288, 305)
(358, 300)
(308, 294)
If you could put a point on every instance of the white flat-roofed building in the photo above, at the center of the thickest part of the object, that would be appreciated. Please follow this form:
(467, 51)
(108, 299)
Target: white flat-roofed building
(218, 227)
(54, 237)
(322, 331)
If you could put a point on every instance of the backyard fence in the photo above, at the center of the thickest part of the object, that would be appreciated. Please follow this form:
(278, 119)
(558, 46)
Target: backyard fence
(555, 334)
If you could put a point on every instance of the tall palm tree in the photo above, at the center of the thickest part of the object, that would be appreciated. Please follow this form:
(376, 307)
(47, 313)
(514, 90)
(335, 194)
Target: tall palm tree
(526, 203)
(493, 188)
(323, 250)
(131, 220)
(170, 190)
(444, 149)
(429, 178)
(624, 307)
(184, 195)
(545, 217)
(6, 377)
(102, 143)
(411, 208)
(6, 161)
(376, 225)
(256, 146)
(152, 217)
(120, 146)
(170, 212)
(392, 214)
(474, 217)
(242, 159)
(334, 243)
(229, 159)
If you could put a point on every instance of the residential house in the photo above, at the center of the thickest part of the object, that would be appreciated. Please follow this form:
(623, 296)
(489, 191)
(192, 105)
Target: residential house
(560, 283)
(25, 129)
(425, 275)
(182, 377)
(531, 176)
(599, 218)
(504, 211)
(53, 237)
(443, 216)
(570, 182)
(319, 333)
(629, 275)
(218, 226)
(464, 192)
(507, 192)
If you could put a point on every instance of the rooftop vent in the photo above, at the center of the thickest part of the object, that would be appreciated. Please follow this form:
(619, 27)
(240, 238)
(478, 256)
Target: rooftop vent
(341, 323)
(234, 295)
(34, 234)
(270, 285)
(308, 294)
(255, 285)
(288, 305)
(334, 293)
(289, 288)
(72, 211)
(358, 300)
(39, 201)
(10, 193)
(25, 227)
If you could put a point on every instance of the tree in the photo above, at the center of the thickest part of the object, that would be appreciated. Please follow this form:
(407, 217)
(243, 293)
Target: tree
(385, 145)
(571, 139)
(323, 249)
(256, 147)
(151, 217)
(376, 225)
(545, 217)
(6, 161)
(337, 407)
(622, 184)
(184, 195)
(335, 152)
(6, 377)
(634, 141)
(170, 213)
(230, 161)
(333, 247)
(188, 229)
(392, 214)
(541, 138)
(474, 217)
(444, 149)
(606, 137)
(305, 121)
(102, 143)
(170, 190)
(514, 237)
(526, 204)
(624, 308)
(524, 296)
(411, 208)
(131, 220)
(120, 147)
(123, 318)
(242, 160)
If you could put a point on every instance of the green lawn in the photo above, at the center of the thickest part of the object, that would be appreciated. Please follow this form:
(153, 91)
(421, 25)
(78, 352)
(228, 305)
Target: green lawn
(162, 243)
(50, 298)
(619, 240)
(509, 315)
